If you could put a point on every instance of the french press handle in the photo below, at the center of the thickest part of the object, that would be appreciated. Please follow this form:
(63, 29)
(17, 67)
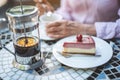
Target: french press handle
(37, 64)
(3, 46)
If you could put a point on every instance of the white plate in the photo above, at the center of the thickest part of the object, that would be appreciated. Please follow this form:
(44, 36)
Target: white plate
(102, 48)
(43, 34)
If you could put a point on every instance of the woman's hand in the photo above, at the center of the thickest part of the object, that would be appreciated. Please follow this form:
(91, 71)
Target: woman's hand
(43, 6)
(60, 29)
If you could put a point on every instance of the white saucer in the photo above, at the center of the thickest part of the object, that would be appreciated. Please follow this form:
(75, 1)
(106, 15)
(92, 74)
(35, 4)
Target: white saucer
(102, 48)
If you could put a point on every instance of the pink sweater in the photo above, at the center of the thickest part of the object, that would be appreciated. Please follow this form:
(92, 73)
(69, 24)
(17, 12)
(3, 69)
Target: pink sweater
(100, 12)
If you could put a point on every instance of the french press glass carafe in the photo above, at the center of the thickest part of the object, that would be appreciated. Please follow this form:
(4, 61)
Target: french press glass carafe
(23, 23)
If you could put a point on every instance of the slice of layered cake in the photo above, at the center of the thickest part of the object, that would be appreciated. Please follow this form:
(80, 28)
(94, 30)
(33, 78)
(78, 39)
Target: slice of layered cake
(82, 45)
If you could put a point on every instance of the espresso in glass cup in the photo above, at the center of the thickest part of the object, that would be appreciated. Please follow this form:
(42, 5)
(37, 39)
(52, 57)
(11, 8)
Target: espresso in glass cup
(28, 49)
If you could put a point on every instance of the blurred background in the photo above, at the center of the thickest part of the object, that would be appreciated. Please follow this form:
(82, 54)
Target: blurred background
(6, 4)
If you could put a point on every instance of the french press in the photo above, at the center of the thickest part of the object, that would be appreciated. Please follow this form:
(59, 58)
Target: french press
(24, 26)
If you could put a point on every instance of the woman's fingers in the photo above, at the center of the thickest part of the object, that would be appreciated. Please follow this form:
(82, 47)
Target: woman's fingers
(53, 29)
(56, 23)
(56, 35)
(59, 32)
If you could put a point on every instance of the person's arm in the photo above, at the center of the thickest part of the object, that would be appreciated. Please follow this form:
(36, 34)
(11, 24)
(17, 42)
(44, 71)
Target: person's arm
(90, 29)
(85, 29)
(105, 30)
(108, 30)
